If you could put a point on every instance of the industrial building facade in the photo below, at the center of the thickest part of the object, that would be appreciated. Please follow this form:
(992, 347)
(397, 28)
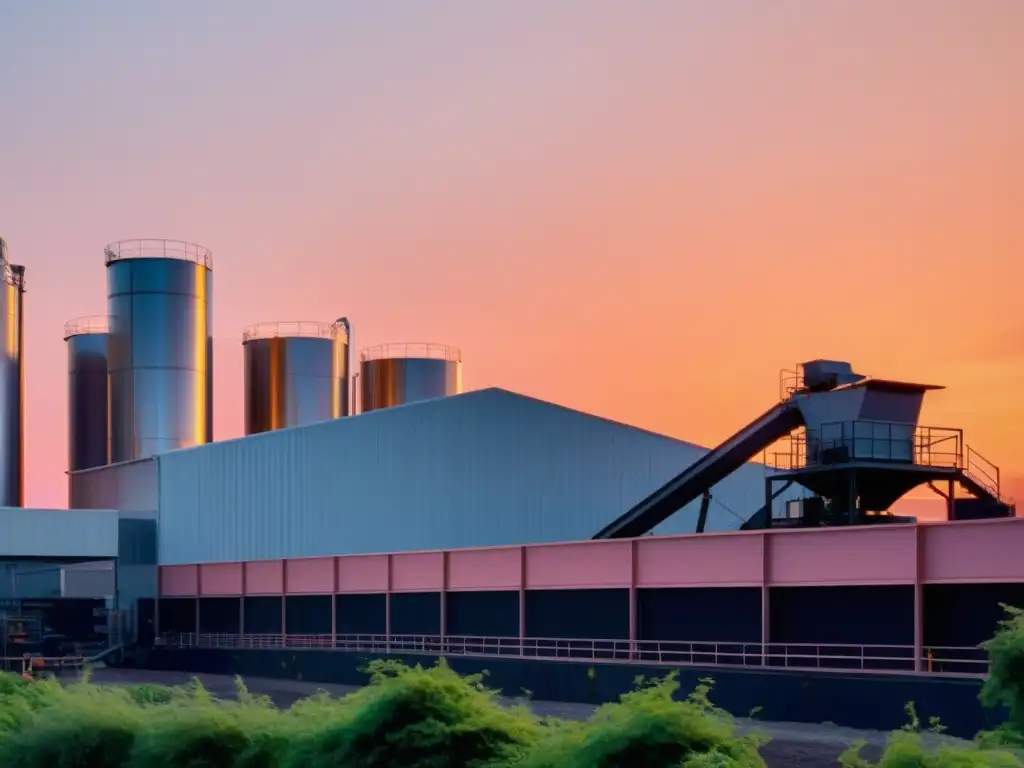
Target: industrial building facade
(484, 468)
(433, 521)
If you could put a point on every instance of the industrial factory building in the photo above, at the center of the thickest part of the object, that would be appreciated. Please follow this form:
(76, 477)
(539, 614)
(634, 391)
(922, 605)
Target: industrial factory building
(374, 507)
(337, 459)
(483, 468)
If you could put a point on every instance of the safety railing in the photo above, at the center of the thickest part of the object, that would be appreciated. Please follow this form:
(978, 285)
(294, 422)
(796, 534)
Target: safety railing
(55, 665)
(81, 326)
(156, 248)
(822, 656)
(874, 441)
(412, 349)
(791, 381)
(982, 471)
(290, 329)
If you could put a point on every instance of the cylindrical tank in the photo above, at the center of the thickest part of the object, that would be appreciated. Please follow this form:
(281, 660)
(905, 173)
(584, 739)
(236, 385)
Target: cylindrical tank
(395, 374)
(12, 442)
(86, 339)
(160, 346)
(295, 373)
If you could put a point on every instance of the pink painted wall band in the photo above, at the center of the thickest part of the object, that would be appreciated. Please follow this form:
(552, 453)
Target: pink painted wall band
(957, 552)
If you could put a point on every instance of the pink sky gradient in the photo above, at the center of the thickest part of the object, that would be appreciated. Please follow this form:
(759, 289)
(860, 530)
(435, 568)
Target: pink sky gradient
(639, 209)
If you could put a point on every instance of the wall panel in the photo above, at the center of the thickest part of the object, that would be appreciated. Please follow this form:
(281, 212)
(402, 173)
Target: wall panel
(486, 468)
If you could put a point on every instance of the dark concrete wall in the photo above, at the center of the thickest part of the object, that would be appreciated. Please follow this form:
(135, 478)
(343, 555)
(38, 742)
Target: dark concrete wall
(847, 699)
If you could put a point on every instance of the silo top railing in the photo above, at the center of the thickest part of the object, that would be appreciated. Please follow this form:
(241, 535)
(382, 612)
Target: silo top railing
(414, 350)
(81, 326)
(142, 248)
(289, 329)
(3, 251)
(13, 274)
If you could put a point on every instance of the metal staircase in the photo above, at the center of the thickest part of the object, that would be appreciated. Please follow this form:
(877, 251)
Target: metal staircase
(981, 478)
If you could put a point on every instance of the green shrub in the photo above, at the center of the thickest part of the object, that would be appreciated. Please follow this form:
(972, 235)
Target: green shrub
(417, 717)
(80, 726)
(648, 728)
(1004, 685)
(906, 748)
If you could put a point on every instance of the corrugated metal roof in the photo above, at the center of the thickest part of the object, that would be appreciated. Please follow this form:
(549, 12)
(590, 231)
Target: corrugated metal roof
(485, 468)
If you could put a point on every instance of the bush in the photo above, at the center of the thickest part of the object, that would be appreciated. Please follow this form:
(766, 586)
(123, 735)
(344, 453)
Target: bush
(418, 717)
(83, 725)
(1004, 685)
(405, 717)
(906, 748)
(648, 728)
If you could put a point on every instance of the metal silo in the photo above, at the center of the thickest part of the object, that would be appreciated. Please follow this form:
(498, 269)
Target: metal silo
(160, 350)
(86, 339)
(395, 374)
(295, 373)
(12, 443)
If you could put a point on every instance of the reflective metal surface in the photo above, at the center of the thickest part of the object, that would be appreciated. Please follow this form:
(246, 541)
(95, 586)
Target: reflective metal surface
(395, 374)
(86, 339)
(160, 347)
(295, 373)
(12, 441)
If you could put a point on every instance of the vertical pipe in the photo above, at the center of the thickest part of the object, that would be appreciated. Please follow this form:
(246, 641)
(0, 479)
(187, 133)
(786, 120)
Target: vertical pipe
(444, 599)
(12, 374)
(19, 274)
(918, 600)
(284, 603)
(344, 323)
(633, 633)
(241, 600)
(522, 601)
(156, 604)
(334, 603)
(766, 623)
(387, 610)
(199, 594)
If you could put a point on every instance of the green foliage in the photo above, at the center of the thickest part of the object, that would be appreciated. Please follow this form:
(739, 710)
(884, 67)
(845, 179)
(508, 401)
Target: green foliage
(648, 728)
(428, 717)
(907, 748)
(418, 717)
(1004, 685)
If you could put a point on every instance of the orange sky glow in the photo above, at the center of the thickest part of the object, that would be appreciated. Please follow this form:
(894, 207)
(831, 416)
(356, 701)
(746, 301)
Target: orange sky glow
(642, 210)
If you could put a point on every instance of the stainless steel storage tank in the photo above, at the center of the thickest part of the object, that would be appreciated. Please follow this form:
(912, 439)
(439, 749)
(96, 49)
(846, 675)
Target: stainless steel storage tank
(12, 379)
(86, 339)
(395, 374)
(295, 373)
(160, 346)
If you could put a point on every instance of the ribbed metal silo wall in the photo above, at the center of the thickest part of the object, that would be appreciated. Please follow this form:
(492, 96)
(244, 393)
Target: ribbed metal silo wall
(12, 442)
(398, 374)
(160, 347)
(87, 393)
(293, 380)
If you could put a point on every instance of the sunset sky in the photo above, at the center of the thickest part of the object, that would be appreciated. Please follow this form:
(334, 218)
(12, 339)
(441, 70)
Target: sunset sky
(642, 209)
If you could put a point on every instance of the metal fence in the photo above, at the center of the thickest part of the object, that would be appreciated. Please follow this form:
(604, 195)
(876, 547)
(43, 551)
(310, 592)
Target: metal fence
(856, 658)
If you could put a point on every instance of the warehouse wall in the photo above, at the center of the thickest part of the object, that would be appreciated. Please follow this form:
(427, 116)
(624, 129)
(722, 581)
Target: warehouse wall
(129, 487)
(79, 534)
(132, 488)
(484, 468)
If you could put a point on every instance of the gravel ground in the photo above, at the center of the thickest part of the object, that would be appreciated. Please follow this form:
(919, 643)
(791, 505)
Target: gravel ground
(793, 745)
